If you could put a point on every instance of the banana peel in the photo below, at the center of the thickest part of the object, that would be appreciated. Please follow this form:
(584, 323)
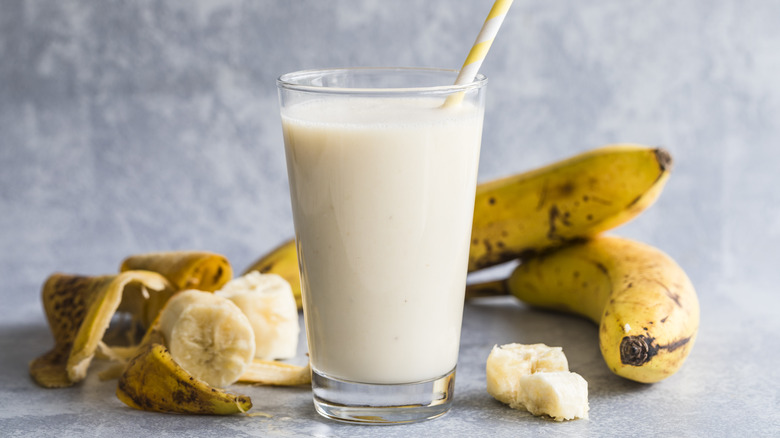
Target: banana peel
(79, 310)
(201, 270)
(153, 381)
(273, 373)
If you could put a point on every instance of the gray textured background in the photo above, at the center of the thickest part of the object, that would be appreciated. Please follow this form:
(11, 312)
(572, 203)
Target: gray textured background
(131, 126)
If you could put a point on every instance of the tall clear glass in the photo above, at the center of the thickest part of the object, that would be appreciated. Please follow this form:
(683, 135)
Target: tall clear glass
(382, 180)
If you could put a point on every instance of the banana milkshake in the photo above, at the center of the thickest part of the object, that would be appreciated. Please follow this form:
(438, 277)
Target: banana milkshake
(382, 190)
(382, 194)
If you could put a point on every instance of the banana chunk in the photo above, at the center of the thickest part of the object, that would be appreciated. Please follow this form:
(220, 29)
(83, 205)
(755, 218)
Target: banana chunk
(268, 302)
(208, 336)
(536, 378)
(562, 395)
(509, 362)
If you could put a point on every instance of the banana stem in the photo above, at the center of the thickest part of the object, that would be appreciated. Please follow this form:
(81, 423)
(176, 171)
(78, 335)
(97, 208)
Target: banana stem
(487, 289)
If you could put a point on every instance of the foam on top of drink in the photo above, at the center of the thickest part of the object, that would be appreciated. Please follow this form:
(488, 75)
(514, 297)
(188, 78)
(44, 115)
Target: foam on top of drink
(376, 112)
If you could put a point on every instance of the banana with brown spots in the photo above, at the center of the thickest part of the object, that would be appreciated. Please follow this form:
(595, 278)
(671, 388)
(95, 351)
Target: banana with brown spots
(644, 303)
(527, 213)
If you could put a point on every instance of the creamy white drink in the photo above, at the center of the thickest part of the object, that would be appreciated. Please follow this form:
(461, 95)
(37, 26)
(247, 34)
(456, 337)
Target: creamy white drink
(382, 193)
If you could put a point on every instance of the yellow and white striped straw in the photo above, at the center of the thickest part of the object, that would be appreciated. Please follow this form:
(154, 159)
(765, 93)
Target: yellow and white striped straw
(480, 48)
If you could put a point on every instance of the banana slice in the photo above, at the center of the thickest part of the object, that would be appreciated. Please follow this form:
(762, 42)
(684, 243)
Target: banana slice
(536, 378)
(268, 301)
(208, 336)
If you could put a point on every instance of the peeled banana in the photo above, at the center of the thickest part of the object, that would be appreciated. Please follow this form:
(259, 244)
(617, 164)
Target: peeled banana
(208, 335)
(268, 302)
(154, 381)
(644, 303)
(531, 212)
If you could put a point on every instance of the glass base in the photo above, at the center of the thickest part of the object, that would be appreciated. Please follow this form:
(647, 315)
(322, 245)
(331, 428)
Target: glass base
(365, 403)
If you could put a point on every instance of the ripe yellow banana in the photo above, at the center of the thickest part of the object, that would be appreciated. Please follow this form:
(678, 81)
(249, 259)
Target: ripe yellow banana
(153, 381)
(530, 212)
(579, 197)
(643, 302)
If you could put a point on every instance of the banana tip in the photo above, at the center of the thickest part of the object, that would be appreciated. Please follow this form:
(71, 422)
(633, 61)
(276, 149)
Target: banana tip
(664, 159)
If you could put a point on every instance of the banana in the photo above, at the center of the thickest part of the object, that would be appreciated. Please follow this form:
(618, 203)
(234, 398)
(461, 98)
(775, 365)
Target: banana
(594, 191)
(283, 261)
(562, 395)
(536, 378)
(508, 362)
(154, 381)
(208, 336)
(644, 303)
(268, 302)
(528, 213)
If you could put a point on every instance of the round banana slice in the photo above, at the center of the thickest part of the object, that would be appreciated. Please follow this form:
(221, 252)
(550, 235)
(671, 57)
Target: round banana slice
(269, 303)
(208, 336)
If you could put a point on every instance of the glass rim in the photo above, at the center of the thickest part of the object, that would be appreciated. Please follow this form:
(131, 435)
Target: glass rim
(292, 81)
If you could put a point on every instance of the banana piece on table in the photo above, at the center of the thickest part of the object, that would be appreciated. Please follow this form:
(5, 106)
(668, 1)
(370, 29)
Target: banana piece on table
(562, 395)
(509, 361)
(154, 381)
(283, 261)
(79, 310)
(536, 378)
(268, 302)
(208, 336)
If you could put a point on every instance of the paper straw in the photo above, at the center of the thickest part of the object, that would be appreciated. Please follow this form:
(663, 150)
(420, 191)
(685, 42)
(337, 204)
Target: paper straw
(480, 48)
